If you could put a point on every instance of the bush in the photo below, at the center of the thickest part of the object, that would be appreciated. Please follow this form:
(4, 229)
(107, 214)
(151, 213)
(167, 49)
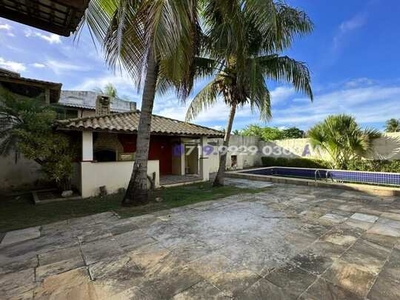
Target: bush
(392, 166)
(269, 161)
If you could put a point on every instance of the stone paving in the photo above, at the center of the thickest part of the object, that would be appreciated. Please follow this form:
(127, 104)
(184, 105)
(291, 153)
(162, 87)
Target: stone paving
(286, 242)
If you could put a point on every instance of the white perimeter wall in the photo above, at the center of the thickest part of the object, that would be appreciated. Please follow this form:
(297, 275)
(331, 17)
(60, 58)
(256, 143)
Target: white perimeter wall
(387, 147)
(113, 175)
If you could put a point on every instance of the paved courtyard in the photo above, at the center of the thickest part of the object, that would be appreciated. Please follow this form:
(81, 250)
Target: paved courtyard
(287, 242)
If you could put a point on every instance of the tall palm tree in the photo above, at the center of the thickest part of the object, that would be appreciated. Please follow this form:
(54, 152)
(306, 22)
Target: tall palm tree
(392, 125)
(342, 139)
(154, 40)
(246, 56)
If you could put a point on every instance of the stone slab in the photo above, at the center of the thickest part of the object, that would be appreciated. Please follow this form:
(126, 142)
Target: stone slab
(17, 236)
(364, 217)
(333, 218)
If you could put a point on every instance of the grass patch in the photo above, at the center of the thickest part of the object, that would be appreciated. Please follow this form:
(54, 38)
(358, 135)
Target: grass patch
(20, 212)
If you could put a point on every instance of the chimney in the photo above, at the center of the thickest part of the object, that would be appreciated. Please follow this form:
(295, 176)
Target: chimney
(103, 105)
(132, 106)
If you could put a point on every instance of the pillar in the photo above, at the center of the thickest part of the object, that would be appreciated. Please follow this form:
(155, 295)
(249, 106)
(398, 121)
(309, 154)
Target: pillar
(87, 146)
(204, 163)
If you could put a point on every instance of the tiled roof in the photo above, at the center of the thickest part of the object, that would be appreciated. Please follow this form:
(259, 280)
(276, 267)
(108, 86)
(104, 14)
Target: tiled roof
(128, 123)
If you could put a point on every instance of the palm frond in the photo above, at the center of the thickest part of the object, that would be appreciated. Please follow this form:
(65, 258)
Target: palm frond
(284, 68)
(206, 98)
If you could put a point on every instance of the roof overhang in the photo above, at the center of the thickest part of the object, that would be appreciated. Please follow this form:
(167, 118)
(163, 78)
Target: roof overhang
(61, 17)
(31, 87)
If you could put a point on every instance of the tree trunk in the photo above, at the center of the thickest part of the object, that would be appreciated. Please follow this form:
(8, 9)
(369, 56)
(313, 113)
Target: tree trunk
(219, 179)
(137, 192)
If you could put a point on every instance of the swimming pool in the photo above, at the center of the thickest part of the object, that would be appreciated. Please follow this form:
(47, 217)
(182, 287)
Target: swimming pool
(377, 178)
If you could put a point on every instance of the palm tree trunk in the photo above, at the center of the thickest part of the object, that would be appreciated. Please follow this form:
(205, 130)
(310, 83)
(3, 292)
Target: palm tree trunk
(219, 179)
(137, 191)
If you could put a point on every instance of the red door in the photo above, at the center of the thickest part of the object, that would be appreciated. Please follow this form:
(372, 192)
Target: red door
(161, 150)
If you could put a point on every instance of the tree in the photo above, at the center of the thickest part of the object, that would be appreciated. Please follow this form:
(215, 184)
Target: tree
(342, 139)
(109, 90)
(243, 43)
(28, 129)
(151, 39)
(265, 133)
(392, 125)
(293, 133)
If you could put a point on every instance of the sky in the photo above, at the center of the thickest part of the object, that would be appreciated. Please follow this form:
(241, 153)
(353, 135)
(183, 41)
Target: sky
(353, 55)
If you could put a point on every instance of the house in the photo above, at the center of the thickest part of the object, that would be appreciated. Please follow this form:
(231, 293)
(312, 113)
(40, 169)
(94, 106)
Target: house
(108, 145)
(78, 104)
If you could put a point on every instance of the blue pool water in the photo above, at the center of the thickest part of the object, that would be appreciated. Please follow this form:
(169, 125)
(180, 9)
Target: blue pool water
(330, 175)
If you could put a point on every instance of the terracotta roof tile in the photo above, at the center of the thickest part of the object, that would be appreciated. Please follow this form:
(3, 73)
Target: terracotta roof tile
(128, 123)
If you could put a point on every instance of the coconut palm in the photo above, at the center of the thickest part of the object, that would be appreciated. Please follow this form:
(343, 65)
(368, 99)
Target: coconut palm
(342, 139)
(244, 43)
(392, 125)
(154, 40)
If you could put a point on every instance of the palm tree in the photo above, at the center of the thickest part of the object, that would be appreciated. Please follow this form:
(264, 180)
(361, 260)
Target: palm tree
(108, 90)
(392, 125)
(154, 40)
(243, 46)
(342, 139)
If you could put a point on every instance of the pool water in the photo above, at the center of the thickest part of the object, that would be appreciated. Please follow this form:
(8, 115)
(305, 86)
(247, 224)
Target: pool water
(379, 178)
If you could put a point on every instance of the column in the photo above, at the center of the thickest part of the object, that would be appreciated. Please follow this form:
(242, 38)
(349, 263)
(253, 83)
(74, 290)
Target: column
(204, 163)
(87, 146)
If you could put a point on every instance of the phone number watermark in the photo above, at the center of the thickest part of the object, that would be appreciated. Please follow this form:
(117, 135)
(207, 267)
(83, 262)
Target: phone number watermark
(208, 150)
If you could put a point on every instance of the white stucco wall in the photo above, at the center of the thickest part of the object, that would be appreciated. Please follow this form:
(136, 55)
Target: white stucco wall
(113, 175)
(387, 147)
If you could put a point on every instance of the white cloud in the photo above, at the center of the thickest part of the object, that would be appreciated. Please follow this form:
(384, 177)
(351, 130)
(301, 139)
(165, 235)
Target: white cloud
(60, 68)
(348, 26)
(5, 27)
(356, 22)
(8, 29)
(50, 38)
(368, 102)
(38, 65)
(12, 65)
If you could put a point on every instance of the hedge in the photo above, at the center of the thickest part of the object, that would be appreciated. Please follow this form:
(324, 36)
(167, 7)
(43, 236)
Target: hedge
(269, 161)
(357, 165)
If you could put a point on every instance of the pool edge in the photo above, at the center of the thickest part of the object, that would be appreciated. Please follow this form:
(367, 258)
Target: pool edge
(375, 190)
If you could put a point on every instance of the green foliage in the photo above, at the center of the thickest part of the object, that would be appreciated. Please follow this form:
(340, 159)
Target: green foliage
(392, 125)
(243, 43)
(29, 125)
(293, 133)
(15, 112)
(342, 139)
(109, 90)
(272, 133)
(392, 166)
(268, 161)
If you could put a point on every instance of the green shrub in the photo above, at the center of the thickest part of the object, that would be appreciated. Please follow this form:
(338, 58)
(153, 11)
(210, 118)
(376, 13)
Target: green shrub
(375, 165)
(268, 161)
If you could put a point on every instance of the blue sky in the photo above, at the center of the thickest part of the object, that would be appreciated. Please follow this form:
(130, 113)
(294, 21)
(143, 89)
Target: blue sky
(352, 54)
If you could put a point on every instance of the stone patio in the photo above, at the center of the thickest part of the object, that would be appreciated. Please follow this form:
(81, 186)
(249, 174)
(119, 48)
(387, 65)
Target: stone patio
(287, 242)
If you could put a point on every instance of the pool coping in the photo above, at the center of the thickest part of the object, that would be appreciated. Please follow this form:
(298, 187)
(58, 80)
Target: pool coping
(373, 189)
